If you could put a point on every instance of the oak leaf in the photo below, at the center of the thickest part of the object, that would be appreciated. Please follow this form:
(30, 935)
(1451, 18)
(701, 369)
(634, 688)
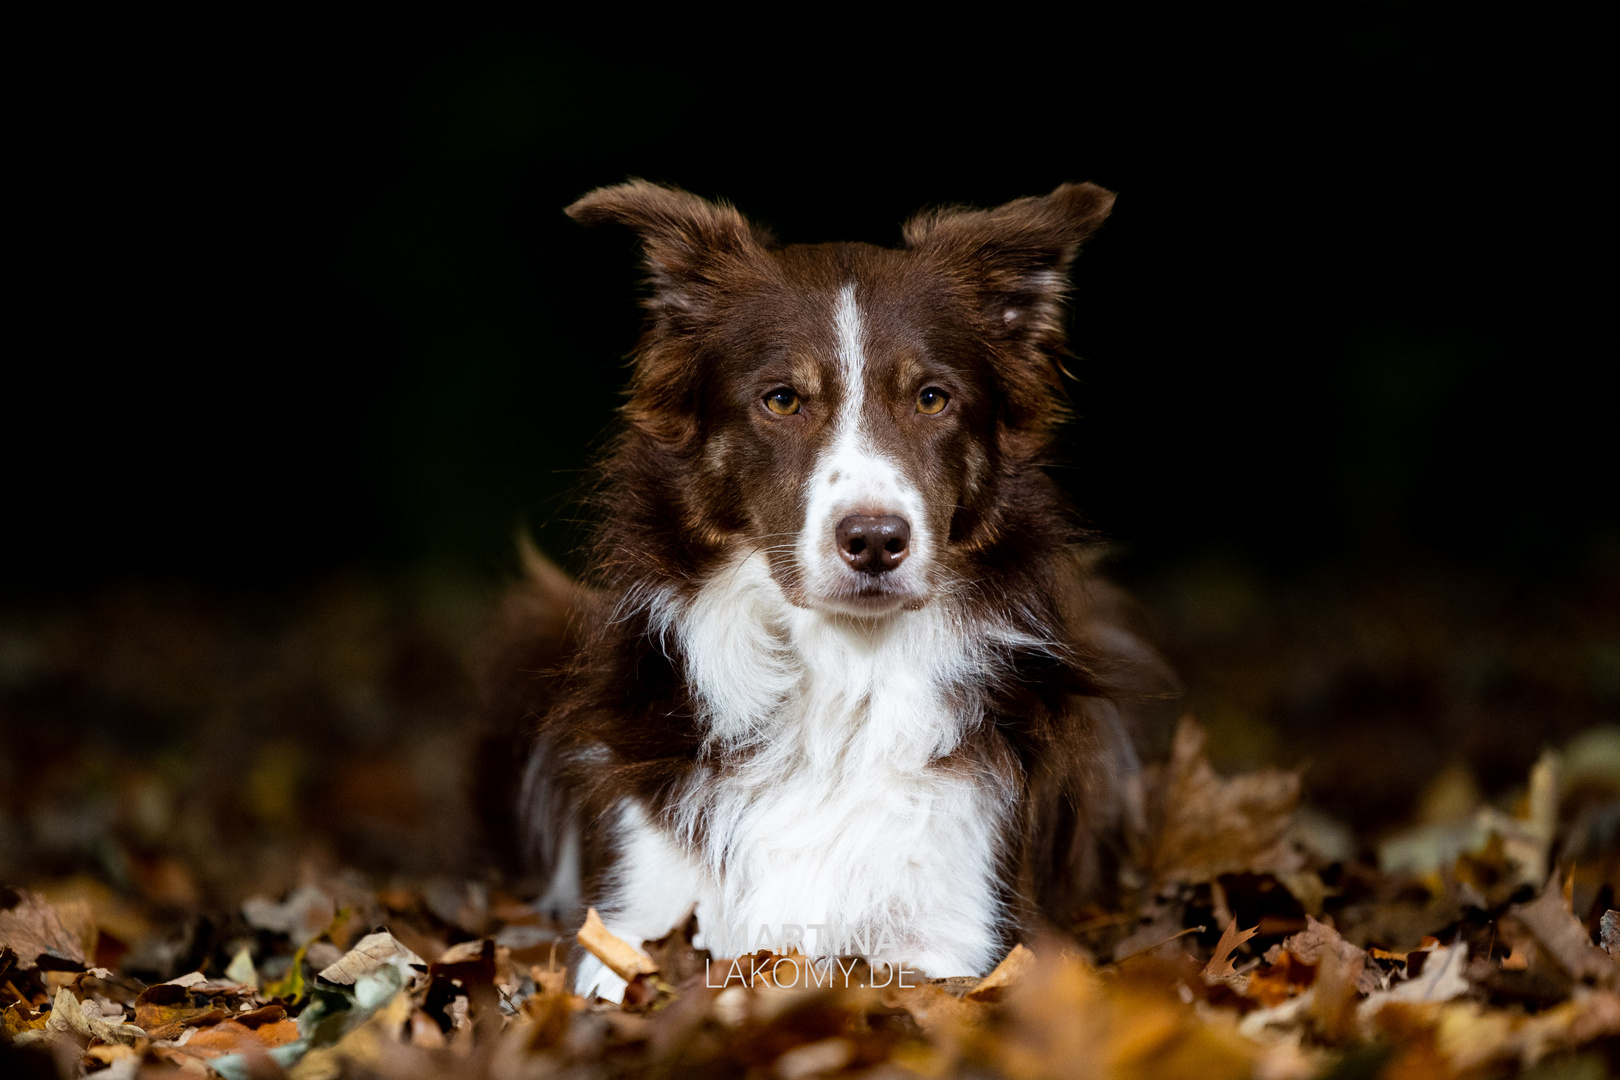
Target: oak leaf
(1213, 825)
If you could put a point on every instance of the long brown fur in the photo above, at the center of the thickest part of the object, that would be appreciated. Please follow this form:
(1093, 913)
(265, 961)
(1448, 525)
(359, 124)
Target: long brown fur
(577, 670)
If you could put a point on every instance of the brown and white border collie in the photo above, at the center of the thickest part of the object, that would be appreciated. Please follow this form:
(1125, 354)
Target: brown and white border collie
(840, 662)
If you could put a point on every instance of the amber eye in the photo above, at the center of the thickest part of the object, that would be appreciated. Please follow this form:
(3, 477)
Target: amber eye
(782, 402)
(932, 400)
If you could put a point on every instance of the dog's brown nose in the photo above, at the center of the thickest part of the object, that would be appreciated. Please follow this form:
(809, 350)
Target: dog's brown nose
(873, 544)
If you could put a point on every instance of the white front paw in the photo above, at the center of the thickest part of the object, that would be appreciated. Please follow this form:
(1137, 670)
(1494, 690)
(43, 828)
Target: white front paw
(593, 976)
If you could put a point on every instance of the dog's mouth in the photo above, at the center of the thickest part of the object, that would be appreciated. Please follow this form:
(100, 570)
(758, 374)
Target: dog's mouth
(866, 596)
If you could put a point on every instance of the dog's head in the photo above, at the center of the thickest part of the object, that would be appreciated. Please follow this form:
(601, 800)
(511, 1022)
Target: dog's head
(853, 412)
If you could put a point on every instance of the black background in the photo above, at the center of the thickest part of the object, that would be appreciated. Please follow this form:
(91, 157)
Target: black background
(293, 293)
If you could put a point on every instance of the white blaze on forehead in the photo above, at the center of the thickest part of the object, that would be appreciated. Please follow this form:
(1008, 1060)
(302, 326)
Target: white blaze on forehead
(851, 351)
(852, 475)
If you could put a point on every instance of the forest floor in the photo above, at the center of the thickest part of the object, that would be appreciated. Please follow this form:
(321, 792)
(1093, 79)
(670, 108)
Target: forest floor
(235, 840)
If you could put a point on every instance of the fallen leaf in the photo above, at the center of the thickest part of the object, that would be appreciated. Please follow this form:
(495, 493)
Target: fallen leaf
(549, 981)
(1556, 930)
(1220, 966)
(228, 1037)
(361, 1048)
(1522, 842)
(108, 1053)
(1011, 968)
(276, 1033)
(67, 1014)
(290, 987)
(18, 1018)
(674, 954)
(164, 1006)
(1285, 1014)
(473, 966)
(936, 1010)
(370, 953)
(1320, 939)
(1339, 975)
(1283, 978)
(32, 928)
(1472, 1035)
(623, 959)
(1214, 826)
(1062, 1020)
(180, 1061)
(1441, 980)
(265, 1014)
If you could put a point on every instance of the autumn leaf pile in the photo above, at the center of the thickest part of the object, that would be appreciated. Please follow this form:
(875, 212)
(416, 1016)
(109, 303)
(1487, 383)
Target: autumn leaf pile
(1231, 959)
(309, 913)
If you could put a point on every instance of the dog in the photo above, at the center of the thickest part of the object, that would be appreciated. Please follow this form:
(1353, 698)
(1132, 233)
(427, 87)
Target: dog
(843, 661)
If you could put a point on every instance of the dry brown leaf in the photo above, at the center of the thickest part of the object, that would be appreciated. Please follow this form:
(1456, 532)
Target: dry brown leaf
(371, 952)
(549, 980)
(674, 954)
(230, 1037)
(265, 1014)
(1012, 966)
(67, 1014)
(177, 1059)
(1471, 1035)
(936, 1010)
(18, 1018)
(1441, 980)
(1333, 1005)
(107, 1053)
(1283, 978)
(32, 928)
(1320, 939)
(276, 1033)
(1220, 966)
(1062, 1021)
(549, 1014)
(622, 958)
(1214, 826)
(360, 1050)
(166, 1008)
(1555, 928)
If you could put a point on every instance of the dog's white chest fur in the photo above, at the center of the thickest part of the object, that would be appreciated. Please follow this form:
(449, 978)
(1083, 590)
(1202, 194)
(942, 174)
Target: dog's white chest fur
(829, 800)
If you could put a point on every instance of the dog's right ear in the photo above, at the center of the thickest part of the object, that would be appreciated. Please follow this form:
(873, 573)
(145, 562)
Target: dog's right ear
(690, 245)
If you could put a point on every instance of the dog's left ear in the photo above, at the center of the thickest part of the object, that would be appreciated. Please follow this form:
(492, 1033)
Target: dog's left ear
(1017, 256)
(689, 244)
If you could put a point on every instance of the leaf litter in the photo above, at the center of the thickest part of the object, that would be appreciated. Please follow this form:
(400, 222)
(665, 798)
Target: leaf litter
(1257, 932)
(1281, 992)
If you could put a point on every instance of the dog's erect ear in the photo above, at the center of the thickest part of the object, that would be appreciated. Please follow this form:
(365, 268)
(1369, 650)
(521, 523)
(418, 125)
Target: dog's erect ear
(691, 245)
(1017, 256)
